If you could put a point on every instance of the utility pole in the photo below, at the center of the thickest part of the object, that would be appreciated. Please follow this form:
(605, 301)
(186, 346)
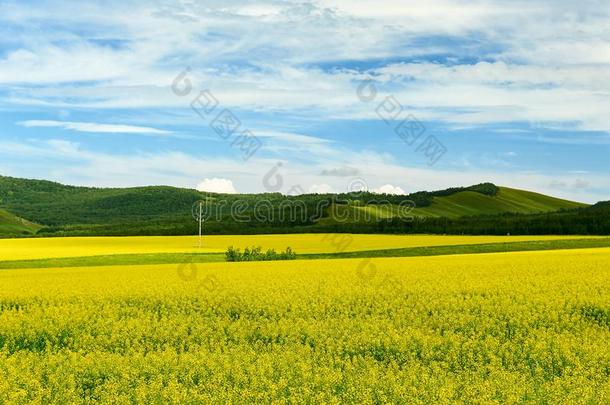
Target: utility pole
(200, 218)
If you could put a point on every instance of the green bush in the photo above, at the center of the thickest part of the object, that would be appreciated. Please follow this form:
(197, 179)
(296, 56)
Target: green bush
(257, 254)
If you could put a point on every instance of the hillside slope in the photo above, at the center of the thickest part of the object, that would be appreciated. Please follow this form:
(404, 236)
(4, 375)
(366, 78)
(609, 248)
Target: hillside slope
(163, 210)
(459, 204)
(462, 203)
(55, 204)
(468, 203)
(12, 225)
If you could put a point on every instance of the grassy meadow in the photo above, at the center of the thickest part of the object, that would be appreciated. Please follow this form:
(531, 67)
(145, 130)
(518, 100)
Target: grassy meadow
(511, 327)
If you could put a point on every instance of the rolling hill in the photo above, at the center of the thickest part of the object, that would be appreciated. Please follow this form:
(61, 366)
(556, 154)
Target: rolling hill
(11, 225)
(163, 210)
(464, 203)
(470, 203)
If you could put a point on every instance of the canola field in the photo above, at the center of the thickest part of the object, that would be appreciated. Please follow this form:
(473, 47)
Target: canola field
(525, 327)
(43, 248)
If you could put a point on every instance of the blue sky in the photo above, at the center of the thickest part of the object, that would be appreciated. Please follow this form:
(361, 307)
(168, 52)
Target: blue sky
(513, 92)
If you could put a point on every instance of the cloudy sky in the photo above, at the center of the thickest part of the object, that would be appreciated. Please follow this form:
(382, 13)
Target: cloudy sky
(296, 96)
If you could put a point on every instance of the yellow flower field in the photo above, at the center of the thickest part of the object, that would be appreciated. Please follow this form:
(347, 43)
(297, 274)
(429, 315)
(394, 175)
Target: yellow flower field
(488, 328)
(42, 248)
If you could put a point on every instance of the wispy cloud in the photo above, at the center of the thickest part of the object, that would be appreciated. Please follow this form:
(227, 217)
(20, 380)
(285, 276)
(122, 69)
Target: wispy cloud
(94, 127)
(293, 138)
(517, 70)
(532, 61)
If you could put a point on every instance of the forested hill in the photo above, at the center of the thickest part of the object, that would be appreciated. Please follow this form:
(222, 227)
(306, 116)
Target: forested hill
(49, 208)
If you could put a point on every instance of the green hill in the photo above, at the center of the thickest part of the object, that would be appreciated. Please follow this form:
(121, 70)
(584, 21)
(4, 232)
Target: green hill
(469, 203)
(163, 210)
(55, 204)
(11, 225)
(462, 203)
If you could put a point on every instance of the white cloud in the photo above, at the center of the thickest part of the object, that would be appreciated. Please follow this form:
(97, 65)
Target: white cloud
(552, 58)
(320, 189)
(94, 127)
(180, 169)
(389, 189)
(216, 185)
(292, 137)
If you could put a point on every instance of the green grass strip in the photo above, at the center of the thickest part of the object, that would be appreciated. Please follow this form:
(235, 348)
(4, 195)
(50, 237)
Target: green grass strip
(173, 258)
(115, 260)
(467, 249)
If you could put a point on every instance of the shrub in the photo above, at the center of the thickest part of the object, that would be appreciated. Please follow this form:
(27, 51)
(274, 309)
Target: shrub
(257, 254)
